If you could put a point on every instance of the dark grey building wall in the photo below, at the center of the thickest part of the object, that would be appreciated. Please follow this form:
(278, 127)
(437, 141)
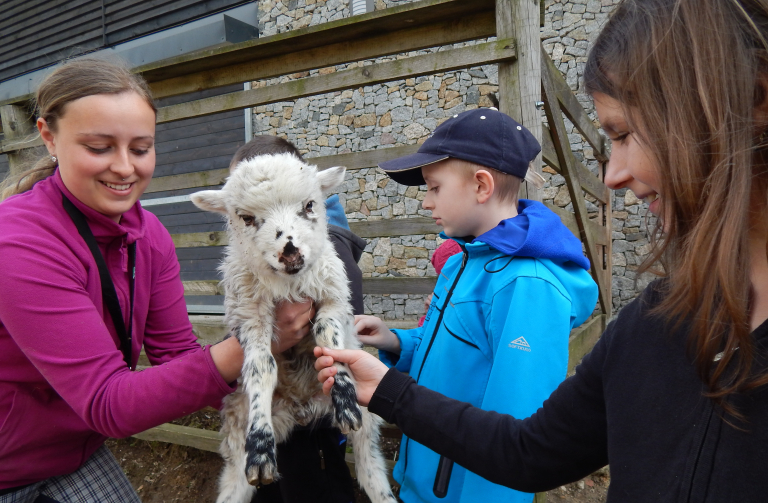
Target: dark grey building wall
(187, 146)
(38, 33)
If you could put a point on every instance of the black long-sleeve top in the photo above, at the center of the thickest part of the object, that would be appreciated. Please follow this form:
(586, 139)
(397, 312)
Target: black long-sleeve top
(635, 402)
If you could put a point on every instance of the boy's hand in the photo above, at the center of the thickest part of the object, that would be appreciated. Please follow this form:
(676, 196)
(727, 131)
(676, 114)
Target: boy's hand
(366, 369)
(292, 321)
(374, 332)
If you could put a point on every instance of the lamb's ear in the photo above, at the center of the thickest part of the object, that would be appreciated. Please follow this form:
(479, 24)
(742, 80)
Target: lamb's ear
(331, 178)
(209, 200)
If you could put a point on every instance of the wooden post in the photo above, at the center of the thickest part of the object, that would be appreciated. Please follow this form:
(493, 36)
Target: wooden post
(17, 124)
(520, 81)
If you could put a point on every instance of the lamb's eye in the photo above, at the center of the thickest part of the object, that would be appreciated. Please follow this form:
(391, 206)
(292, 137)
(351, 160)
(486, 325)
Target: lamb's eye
(248, 219)
(309, 206)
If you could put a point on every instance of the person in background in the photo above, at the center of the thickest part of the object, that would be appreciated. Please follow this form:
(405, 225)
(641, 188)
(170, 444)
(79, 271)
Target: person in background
(441, 255)
(674, 395)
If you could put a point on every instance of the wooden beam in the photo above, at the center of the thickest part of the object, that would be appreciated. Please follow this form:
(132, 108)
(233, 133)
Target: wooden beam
(361, 160)
(203, 287)
(378, 73)
(591, 184)
(196, 239)
(519, 83)
(382, 25)
(208, 329)
(353, 161)
(365, 229)
(18, 126)
(599, 233)
(378, 286)
(208, 178)
(400, 285)
(204, 440)
(574, 111)
(12, 145)
(270, 65)
(582, 340)
(395, 227)
(572, 179)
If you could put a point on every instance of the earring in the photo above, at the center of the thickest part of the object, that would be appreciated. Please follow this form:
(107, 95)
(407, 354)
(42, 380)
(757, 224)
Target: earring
(53, 159)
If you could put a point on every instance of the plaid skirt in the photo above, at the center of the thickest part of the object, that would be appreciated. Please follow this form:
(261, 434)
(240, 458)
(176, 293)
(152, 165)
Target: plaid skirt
(100, 479)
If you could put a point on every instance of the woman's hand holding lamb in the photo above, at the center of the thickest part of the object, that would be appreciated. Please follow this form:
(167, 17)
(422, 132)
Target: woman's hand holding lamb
(293, 321)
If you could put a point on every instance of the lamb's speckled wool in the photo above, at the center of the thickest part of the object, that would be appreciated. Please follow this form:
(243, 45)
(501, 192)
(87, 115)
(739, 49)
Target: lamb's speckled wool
(279, 250)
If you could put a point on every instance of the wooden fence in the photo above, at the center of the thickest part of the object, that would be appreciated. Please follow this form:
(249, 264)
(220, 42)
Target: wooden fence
(527, 77)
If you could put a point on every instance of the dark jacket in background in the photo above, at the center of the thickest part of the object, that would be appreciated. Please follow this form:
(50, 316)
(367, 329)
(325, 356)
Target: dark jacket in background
(349, 247)
(635, 402)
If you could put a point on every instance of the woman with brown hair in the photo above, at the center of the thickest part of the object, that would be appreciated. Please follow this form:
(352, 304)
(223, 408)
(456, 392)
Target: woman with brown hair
(674, 394)
(88, 277)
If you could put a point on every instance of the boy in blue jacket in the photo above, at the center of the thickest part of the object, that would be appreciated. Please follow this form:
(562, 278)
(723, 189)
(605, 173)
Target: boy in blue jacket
(496, 332)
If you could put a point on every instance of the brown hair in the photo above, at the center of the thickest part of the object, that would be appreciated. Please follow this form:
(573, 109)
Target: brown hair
(506, 186)
(71, 81)
(263, 145)
(689, 71)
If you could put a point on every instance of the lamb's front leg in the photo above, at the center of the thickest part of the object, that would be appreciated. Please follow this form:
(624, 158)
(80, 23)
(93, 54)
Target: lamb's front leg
(259, 379)
(329, 330)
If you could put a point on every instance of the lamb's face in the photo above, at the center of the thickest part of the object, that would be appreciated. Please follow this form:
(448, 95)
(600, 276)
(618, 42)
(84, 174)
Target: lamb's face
(275, 205)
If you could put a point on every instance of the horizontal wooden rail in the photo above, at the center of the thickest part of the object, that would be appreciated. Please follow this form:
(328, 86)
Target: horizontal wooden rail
(398, 285)
(204, 440)
(582, 340)
(455, 59)
(366, 229)
(395, 227)
(400, 29)
(12, 145)
(352, 161)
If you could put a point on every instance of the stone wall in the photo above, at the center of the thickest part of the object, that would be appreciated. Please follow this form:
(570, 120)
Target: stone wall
(406, 112)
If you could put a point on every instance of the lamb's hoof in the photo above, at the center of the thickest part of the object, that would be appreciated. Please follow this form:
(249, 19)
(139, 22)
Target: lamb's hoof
(260, 457)
(346, 411)
(261, 475)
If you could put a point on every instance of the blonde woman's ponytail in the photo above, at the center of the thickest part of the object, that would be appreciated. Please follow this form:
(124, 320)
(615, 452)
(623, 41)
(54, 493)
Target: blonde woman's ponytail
(22, 182)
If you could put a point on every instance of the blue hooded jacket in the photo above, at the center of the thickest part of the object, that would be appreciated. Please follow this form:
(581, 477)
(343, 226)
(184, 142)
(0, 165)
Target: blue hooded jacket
(496, 336)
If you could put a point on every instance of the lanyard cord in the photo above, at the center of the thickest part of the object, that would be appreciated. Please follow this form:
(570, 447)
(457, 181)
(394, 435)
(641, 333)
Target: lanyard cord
(108, 293)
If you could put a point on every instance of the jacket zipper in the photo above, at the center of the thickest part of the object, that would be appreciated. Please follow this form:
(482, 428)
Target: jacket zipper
(429, 347)
(702, 441)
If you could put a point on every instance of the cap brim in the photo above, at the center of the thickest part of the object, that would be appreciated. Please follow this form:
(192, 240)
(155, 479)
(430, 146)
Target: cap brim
(407, 170)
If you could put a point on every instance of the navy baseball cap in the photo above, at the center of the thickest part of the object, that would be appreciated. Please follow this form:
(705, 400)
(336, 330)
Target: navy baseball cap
(482, 136)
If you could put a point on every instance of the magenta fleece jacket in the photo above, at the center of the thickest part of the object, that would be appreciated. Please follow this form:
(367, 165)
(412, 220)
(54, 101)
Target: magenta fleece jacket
(64, 386)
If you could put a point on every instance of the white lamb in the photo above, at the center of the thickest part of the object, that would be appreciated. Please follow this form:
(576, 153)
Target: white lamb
(279, 250)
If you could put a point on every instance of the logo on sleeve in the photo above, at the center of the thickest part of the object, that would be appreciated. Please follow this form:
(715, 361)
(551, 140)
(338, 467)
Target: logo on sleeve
(521, 344)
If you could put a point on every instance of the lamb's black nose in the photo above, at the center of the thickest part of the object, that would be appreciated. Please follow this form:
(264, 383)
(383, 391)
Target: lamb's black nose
(289, 249)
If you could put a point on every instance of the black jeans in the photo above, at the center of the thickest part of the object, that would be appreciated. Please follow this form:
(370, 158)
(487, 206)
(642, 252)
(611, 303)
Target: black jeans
(312, 469)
